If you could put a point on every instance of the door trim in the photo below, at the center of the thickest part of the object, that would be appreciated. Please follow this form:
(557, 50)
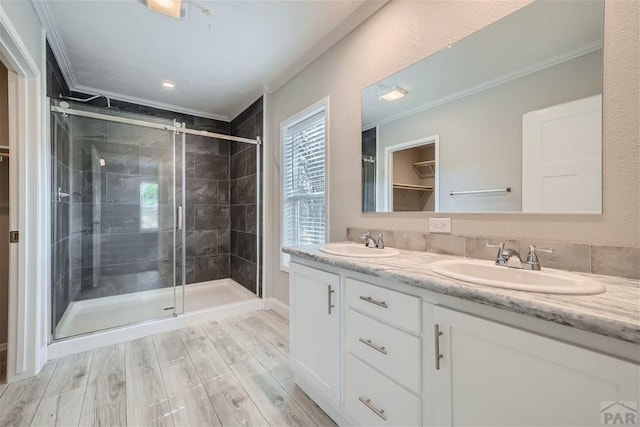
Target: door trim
(29, 260)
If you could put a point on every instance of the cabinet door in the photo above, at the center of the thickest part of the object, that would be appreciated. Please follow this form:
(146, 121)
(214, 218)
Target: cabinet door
(492, 374)
(315, 328)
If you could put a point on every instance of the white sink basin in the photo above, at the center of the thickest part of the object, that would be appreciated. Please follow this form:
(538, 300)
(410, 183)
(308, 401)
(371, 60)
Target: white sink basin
(546, 280)
(357, 251)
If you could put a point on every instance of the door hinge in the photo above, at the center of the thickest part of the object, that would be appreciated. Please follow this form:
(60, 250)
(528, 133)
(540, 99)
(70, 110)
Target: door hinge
(14, 237)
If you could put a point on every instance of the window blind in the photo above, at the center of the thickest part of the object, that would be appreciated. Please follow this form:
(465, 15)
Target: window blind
(304, 181)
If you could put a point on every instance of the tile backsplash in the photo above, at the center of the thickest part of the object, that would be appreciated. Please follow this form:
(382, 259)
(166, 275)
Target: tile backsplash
(596, 259)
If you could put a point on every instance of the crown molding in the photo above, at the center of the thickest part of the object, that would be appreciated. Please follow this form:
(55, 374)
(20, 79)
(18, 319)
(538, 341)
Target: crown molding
(148, 103)
(539, 66)
(361, 14)
(47, 20)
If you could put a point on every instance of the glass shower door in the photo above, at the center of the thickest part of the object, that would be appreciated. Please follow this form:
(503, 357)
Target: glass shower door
(117, 241)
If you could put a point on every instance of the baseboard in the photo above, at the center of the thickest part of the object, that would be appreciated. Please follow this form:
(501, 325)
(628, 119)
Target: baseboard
(3, 346)
(276, 305)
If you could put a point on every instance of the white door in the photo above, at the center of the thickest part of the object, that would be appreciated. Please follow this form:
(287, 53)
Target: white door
(562, 157)
(315, 328)
(495, 375)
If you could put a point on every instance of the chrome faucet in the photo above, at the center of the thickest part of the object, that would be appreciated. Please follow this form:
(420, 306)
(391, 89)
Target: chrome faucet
(366, 238)
(506, 257)
(511, 258)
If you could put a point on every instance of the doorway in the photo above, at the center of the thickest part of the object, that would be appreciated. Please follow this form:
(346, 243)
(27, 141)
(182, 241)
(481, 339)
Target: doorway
(410, 179)
(4, 219)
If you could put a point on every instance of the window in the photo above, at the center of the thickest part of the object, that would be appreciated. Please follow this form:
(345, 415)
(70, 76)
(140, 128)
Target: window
(304, 181)
(148, 206)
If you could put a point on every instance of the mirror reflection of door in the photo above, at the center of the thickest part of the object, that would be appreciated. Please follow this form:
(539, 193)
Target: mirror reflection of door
(561, 164)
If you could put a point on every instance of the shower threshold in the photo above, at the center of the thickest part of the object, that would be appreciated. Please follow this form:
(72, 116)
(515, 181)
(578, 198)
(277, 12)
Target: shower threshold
(98, 314)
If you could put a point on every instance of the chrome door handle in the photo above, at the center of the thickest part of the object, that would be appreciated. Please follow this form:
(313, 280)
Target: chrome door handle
(179, 218)
(62, 195)
(368, 404)
(382, 349)
(436, 347)
(329, 292)
(374, 302)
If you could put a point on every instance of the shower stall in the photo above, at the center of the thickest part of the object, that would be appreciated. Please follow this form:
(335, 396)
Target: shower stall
(145, 215)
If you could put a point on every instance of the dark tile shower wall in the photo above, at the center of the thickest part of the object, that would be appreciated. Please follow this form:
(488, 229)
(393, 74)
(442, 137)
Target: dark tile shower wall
(207, 209)
(111, 250)
(56, 85)
(369, 147)
(244, 260)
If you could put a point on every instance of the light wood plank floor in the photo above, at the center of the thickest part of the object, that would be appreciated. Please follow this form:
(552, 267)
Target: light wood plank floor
(233, 372)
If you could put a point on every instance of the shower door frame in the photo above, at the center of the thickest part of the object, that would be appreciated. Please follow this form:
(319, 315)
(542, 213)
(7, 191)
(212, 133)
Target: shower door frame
(180, 223)
(177, 206)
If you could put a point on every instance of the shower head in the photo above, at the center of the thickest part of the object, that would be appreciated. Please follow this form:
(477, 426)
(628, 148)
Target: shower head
(112, 108)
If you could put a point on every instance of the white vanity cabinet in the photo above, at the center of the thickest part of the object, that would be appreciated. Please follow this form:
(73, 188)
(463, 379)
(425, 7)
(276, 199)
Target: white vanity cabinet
(383, 364)
(386, 354)
(490, 374)
(315, 309)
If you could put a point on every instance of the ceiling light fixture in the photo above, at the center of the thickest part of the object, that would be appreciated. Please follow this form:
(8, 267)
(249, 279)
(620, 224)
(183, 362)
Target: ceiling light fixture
(172, 8)
(390, 94)
(168, 85)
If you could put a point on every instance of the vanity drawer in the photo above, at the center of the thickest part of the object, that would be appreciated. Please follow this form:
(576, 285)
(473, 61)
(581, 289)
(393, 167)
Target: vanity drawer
(389, 306)
(395, 353)
(370, 396)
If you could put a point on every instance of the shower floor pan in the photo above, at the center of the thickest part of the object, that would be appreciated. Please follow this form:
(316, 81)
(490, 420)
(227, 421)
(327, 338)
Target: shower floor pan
(93, 315)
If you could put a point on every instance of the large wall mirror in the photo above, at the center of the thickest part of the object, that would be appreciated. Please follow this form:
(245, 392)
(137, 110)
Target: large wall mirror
(508, 119)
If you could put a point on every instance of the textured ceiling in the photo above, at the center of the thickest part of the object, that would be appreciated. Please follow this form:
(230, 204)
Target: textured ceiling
(218, 62)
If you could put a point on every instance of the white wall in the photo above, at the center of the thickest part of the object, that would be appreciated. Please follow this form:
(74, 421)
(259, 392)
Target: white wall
(403, 32)
(481, 134)
(26, 22)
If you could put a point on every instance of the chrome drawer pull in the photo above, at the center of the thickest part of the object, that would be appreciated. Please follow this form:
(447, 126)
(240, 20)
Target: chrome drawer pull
(329, 304)
(372, 301)
(378, 412)
(373, 346)
(436, 347)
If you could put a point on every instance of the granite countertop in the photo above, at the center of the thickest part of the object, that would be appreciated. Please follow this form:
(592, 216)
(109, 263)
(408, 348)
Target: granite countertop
(615, 313)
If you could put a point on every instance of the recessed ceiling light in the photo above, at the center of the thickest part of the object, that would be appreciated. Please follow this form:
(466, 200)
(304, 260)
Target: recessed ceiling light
(172, 8)
(168, 85)
(391, 93)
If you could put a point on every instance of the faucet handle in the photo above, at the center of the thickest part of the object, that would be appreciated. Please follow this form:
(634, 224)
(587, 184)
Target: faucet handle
(533, 255)
(494, 245)
(532, 262)
(500, 255)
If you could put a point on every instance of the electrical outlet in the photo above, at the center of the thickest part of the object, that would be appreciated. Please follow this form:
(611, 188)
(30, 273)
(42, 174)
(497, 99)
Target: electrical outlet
(439, 225)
